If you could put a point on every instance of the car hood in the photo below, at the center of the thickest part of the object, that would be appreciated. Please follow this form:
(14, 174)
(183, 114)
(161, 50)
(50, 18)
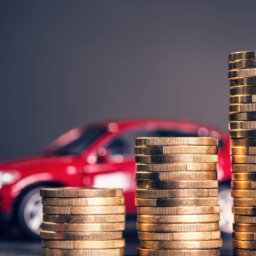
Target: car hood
(36, 162)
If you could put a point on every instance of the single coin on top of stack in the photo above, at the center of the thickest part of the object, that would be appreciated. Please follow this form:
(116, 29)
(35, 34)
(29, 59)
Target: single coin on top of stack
(242, 76)
(79, 221)
(177, 196)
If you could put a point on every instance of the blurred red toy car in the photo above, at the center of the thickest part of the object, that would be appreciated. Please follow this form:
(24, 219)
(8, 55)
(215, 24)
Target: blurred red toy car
(98, 155)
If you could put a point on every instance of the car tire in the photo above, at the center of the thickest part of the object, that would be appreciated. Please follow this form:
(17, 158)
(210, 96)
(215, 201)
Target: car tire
(30, 213)
(226, 203)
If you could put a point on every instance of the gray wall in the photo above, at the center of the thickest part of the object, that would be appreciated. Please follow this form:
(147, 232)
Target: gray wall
(69, 62)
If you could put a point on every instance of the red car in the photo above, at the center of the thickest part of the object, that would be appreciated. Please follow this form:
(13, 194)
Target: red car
(98, 155)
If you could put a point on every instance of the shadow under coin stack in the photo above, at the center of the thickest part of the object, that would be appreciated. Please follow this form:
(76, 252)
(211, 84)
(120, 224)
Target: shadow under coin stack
(242, 76)
(83, 222)
(177, 196)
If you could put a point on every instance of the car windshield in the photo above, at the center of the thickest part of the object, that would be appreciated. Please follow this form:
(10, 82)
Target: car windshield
(78, 145)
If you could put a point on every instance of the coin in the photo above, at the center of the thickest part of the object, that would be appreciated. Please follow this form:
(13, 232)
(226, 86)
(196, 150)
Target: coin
(242, 73)
(244, 244)
(200, 158)
(240, 176)
(244, 202)
(243, 159)
(166, 150)
(243, 252)
(236, 108)
(245, 219)
(182, 210)
(80, 192)
(187, 227)
(177, 184)
(238, 90)
(244, 210)
(242, 125)
(181, 244)
(242, 55)
(244, 168)
(242, 99)
(189, 236)
(243, 150)
(243, 142)
(243, 185)
(242, 64)
(156, 252)
(243, 134)
(248, 236)
(84, 218)
(250, 116)
(156, 193)
(51, 235)
(243, 193)
(178, 218)
(242, 227)
(156, 141)
(94, 227)
(87, 252)
(177, 167)
(84, 210)
(243, 81)
(94, 201)
(167, 202)
(69, 244)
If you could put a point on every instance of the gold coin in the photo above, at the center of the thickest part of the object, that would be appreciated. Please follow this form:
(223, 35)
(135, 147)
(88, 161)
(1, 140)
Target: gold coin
(243, 159)
(176, 167)
(244, 244)
(181, 244)
(176, 158)
(167, 202)
(234, 99)
(244, 210)
(189, 236)
(242, 227)
(158, 193)
(81, 192)
(243, 185)
(157, 252)
(250, 116)
(209, 175)
(156, 141)
(182, 210)
(242, 125)
(94, 201)
(177, 184)
(236, 108)
(243, 142)
(187, 227)
(242, 55)
(166, 150)
(243, 150)
(244, 202)
(242, 64)
(84, 218)
(69, 244)
(87, 252)
(51, 235)
(101, 210)
(248, 236)
(240, 90)
(243, 193)
(178, 218)
(244, 168)
(91, 227)
(245, 219)
(243, 134)
(242, 73)
(240, 176)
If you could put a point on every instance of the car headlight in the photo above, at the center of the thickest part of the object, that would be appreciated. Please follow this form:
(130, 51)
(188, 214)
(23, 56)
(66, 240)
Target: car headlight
(8, 177)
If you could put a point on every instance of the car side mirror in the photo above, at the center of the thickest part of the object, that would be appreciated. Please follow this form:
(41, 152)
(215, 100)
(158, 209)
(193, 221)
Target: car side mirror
(103, 156)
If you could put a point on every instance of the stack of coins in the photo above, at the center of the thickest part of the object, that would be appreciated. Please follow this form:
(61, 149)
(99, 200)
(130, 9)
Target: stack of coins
(242, 75)
(83, 222)
(177, 196)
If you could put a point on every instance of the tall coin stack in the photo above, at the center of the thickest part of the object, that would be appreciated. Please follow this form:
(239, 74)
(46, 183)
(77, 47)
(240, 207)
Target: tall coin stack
(177, 196)
(83, 222)
(242, 76)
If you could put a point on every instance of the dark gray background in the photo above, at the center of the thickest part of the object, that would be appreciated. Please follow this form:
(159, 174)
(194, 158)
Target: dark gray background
(69, 62)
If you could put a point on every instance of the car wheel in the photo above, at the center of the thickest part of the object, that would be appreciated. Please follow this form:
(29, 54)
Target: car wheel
(30, 213)
(226, 203)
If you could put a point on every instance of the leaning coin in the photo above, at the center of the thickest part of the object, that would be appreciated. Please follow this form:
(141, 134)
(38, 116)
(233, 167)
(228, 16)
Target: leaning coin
(242, 64)
(182, 210)
(187, 227)
(177, 167)
(52, 235)
(189, 236)
(244, 168)
(243, 185)
(243, 134)
(248, 236)
(61, 218)
(243, 193)
(163, 193)
(245, 219)
(87, 252)
(244, 210)
(243, 150)
(240, 176)
(167, 202)
(84, 210)
(238, 90)
(243, 159)
(80, 192)
(242, 99)
(243, 252)
(157, 252)
(241, 227)
(244, 244)
(177, 184)
(178, 218)
(237, 108)
(237, 125)
(242, 55)
(244, 202)
(68, 227)
(249, 116)
(156, 141)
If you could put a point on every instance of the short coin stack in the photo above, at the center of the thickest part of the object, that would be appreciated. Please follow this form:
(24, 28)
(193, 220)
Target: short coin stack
(242, 75)
(177, 196)
(83, 222)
